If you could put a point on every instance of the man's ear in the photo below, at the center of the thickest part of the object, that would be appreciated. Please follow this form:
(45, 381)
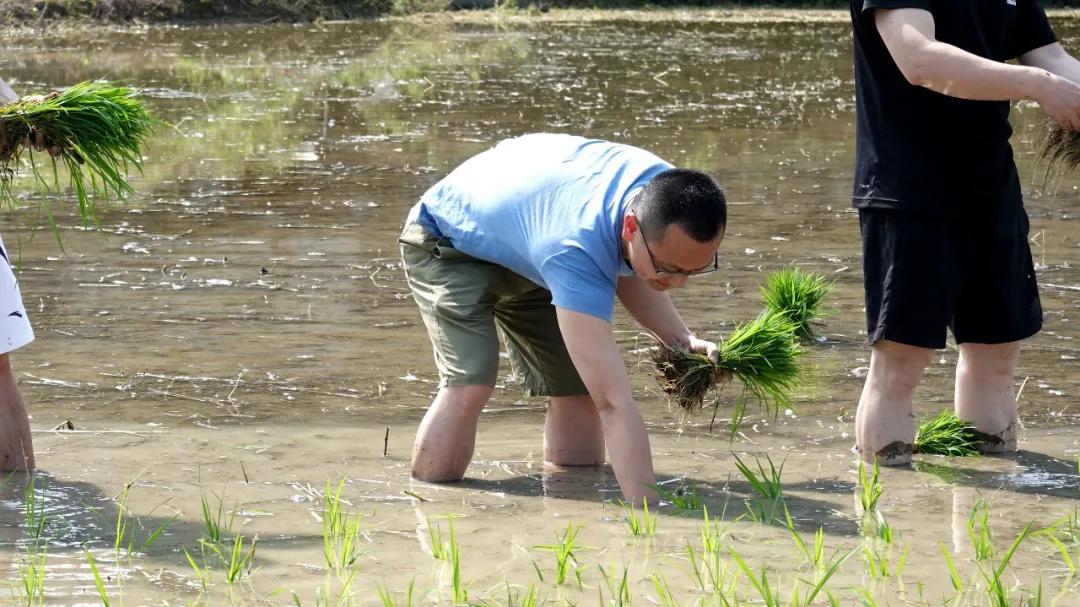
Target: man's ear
(629, 227)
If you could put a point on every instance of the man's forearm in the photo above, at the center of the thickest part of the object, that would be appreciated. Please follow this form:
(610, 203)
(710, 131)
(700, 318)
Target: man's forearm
(952, 71)
(654, 310)
(629, 451)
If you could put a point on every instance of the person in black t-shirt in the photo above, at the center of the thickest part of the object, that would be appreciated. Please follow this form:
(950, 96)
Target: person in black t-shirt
(942, 219)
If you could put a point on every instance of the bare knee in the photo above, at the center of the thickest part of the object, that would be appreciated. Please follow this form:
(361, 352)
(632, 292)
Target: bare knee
(5, 363)
(469, 398)
(898, 367)
(989, 362)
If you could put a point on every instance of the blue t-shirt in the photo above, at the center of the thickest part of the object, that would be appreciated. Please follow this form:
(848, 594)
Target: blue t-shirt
(548, 207)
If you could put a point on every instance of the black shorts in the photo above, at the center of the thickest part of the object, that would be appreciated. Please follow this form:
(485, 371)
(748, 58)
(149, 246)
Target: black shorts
(973, 275)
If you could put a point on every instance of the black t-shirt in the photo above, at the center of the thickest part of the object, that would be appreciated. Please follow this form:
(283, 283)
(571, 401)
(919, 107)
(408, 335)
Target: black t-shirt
(923, 151)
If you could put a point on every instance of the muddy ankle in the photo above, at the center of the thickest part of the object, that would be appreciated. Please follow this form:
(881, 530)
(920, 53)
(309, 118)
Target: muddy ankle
(896, 453)
(998, 442)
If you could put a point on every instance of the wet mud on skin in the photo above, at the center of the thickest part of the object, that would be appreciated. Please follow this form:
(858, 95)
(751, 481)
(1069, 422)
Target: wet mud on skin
(241, 330)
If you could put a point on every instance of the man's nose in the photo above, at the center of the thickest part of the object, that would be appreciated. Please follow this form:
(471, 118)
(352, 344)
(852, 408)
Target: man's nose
(677, 281)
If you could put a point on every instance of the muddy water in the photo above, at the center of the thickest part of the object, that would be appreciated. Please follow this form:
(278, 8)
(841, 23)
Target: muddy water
(240, 331)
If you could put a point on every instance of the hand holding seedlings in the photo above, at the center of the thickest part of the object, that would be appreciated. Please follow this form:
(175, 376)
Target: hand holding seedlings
(96, 130)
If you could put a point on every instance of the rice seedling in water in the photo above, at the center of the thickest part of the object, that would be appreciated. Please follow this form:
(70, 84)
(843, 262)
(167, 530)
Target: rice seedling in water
(978, 531)
(340, 530)
(644, 525)
(435, 541)
(126, 537)
(878, 564)
(683, 498)
(202, 573)
(99, 584)
(768, 486)
(216, 525)
(766, 483)
(870, 488)
(761, 354)
(1066, 528)
(954, 575)
(663, 590)
(619, 592)
(461, 594)
(947, 434)
(239, 561)
(998, 591)
(564, 552)
(95, 129)
(815, 555)
(36, 518)
(796, 295)
(31, 583)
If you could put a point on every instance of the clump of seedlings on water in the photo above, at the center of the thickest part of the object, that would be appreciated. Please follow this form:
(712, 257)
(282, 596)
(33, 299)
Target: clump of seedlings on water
(762, 354)
(96, 130)
(796, 295)
(947, 434)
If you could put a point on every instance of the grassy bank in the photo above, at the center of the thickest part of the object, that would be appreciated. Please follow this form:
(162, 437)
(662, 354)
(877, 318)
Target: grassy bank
(33, 12)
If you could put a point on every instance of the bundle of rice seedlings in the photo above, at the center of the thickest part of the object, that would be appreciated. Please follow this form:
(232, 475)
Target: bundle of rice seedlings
(947, 434)
(762, 354)
(96, 130)
(797, 295)
(1059, 148)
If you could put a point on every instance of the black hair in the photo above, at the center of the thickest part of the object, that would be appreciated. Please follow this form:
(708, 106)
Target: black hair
(691, 199)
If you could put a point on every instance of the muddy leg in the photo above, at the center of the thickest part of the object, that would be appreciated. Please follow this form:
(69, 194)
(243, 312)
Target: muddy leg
(16, 445)
(884, 421)
(446, 437)
(572, 432)
(985, 395)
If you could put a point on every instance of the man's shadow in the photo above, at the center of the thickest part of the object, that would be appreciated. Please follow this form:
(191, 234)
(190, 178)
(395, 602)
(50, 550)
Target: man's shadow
(1041, 474)
(726, 500)
(75, 516)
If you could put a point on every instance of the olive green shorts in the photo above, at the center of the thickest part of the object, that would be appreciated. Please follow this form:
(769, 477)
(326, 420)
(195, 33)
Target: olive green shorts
(466, 301)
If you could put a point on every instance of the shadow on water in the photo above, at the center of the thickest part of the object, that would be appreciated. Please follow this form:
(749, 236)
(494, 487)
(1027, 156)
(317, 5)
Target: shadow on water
(1041, 474)
(727, 500)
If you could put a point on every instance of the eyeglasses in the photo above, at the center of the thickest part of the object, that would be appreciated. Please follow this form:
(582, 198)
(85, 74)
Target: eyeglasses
(671, 274)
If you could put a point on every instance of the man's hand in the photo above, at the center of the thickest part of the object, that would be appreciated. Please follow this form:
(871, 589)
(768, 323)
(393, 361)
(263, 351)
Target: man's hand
(710, 349)
(1060, 99)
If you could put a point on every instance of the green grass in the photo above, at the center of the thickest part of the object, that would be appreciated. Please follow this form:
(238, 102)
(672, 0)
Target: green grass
(796, 295)
(946, 434)
(97, 131)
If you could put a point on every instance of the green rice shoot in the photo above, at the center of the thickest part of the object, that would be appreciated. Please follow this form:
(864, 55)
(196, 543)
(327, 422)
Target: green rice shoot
(96, 130)
(797, 295)
(762, 354)
(947, 434)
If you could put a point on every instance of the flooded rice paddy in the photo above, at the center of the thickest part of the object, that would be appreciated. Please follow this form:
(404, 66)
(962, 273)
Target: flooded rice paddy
(238, 338)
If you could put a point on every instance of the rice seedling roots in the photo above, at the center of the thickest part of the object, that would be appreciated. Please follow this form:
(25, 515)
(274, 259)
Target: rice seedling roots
(762, 354)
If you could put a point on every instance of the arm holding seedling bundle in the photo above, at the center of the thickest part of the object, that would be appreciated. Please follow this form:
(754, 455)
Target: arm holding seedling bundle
(655, 311)
(596, 356)
(1054, 59)
(910, 36)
